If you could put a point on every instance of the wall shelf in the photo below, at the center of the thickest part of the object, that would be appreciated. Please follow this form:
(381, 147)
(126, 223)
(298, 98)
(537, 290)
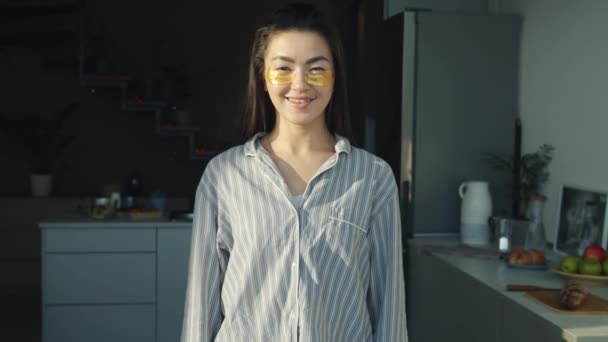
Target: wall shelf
(147, 104)
(97, 77)
(8, 4)
(22, 8)
(176, 128)
(42, 34)
(113, 81)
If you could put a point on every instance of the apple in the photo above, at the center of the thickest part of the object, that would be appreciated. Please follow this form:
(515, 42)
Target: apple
(594, 252)
(590, 267)
(569, 264)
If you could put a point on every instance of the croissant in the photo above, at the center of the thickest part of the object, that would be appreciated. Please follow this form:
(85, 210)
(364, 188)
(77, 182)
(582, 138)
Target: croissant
(521, 256)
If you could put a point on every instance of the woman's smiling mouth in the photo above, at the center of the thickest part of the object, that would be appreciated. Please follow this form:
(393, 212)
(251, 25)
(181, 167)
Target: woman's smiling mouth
(299, 102)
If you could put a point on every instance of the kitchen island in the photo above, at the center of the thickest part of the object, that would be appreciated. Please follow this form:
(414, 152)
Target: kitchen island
(463, 298)
(113, 279)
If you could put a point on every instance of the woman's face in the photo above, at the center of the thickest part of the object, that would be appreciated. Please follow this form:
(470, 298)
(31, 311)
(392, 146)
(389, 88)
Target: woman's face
(299, 76)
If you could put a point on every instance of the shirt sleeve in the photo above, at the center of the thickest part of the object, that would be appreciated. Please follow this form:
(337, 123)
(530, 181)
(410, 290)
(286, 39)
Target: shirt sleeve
(202, 311)
(386, 296)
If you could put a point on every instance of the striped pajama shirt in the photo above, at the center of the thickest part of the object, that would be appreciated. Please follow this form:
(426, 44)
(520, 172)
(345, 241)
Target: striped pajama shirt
(262, 269)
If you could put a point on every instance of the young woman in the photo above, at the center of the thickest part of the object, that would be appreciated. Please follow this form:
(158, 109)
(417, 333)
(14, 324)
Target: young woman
(296, 234)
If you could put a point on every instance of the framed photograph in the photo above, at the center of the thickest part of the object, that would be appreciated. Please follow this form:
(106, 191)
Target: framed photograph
(581, 220)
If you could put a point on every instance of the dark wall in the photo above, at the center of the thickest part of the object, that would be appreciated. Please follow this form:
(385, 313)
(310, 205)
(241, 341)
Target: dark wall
(211, 37)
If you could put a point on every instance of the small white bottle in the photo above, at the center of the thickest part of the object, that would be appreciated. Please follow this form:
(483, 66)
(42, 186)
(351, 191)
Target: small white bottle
(504, 235)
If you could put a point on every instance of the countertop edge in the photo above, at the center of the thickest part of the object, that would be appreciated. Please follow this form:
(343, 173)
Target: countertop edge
(115, 224)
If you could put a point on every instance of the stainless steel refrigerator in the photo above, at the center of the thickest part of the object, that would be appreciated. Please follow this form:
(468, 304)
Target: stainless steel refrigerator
(449, 99)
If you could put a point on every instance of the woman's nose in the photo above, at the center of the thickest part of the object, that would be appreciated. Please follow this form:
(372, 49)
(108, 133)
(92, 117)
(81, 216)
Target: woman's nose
(299, 80)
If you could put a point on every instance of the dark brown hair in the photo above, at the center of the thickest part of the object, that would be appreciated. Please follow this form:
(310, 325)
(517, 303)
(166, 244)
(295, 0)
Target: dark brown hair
(259, 111)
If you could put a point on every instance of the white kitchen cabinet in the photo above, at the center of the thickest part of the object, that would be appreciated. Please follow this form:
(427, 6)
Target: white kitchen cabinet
(114, 281)
(173, 257)
(118, 238)
(97, 278)
(100, 323)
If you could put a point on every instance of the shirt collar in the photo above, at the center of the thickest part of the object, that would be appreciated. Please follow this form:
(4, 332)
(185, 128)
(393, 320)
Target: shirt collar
(252, 147)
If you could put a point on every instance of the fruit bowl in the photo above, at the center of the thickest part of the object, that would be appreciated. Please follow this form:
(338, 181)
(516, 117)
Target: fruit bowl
(540, 267)
(583, 277)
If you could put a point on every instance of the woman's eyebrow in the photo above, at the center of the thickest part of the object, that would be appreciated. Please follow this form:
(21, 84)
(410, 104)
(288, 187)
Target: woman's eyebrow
(283, 58)
(309, 61)
(316, 59)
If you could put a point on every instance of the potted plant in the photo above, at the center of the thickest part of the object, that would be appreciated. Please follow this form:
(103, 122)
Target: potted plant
(43, 137)
(533, 173)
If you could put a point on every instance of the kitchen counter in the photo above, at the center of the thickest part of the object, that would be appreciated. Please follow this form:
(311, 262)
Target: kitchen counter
(79, 220)
(484, 286)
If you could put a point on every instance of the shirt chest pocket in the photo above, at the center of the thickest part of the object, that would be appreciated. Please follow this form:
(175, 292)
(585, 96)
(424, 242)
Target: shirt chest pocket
(355, 218)
(337, 221)
(346, 234)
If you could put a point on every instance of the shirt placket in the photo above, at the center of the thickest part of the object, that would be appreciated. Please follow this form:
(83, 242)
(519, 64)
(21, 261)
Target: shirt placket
(326, 166)
(295, 267)
(275, 177)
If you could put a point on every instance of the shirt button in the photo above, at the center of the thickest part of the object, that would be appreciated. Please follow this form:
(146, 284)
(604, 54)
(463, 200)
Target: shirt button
(293, 265)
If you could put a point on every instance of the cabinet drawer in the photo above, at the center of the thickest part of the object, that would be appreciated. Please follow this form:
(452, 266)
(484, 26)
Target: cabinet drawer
(100, 278)
(99, 323)
(118, 239)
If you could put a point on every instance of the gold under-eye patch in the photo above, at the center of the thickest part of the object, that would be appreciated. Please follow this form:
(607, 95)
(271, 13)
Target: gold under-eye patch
(322, 79)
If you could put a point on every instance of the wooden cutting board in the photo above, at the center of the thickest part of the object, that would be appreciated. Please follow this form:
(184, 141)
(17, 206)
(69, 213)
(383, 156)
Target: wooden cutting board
(592, 305)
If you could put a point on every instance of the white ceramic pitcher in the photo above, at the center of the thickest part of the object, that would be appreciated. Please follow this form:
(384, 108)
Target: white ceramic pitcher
(475, 210)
